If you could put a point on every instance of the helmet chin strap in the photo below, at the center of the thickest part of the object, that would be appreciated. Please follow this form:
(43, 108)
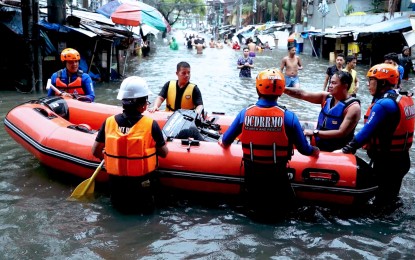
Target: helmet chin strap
(381, 87)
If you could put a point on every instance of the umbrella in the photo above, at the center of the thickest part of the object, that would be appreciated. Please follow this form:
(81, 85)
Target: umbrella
(134, 14)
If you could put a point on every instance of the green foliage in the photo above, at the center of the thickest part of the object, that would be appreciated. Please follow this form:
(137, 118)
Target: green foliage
(172, 10)
(349, 9)
(376, 4)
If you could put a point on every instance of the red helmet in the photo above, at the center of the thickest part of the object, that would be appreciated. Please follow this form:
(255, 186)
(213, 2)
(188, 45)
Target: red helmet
(70, 54)
(384, 71)
(270, 82)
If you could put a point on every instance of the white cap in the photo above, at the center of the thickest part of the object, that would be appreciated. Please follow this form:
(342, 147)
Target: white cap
(133, 87)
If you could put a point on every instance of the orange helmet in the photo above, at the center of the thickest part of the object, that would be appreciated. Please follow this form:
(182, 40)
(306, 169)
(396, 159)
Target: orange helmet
(270, 82)
(70, 54)
(384, 71)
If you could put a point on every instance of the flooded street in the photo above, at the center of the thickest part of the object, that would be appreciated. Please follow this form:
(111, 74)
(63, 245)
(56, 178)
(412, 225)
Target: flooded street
(37, 222)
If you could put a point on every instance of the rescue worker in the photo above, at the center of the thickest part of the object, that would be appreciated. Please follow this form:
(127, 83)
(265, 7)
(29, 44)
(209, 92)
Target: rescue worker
(71, 80)
(130, 143)
(387, 133)
(180, 94)
(268, 132)
(339, 115)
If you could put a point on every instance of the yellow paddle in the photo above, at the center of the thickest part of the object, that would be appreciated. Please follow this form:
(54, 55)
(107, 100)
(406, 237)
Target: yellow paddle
(87, 186)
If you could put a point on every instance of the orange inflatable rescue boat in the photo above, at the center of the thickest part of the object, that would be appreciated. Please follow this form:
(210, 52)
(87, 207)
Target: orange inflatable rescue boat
(60, 132)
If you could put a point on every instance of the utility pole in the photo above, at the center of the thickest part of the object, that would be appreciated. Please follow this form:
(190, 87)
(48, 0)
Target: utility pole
(38, 69)
(240, 13)
(57, 11)
(27, 24)
(323, 8)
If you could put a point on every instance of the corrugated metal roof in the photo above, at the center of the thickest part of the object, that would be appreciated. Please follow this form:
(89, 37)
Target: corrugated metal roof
(391, 25)
(83, 31)
(96, 17)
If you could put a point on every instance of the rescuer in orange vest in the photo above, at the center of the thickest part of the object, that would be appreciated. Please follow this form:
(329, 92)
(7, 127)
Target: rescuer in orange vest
(72, 81)
(268, 133)
(387, 134)
(130, 143)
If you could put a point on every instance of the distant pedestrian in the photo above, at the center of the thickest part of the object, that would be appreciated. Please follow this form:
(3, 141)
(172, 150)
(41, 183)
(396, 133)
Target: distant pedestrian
(405, 61)
(351, 62)
(145, 49)
(245, 64)
(392, 58)
(333, 69)
(212, 43)
(173, 44)
(252, 47)
(292, 64)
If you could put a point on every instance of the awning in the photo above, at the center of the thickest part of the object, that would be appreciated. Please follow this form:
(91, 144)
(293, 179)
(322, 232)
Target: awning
(146, 30)
(409, 37)
(82, 31)
(391, 25)
(11, 17)
(90, 16)
(337, 32)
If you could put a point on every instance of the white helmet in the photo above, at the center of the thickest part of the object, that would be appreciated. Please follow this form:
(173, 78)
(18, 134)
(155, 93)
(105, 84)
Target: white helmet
(133, 87)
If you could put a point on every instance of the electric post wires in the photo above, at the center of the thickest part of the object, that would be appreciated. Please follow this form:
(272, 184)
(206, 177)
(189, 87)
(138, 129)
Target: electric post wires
(323, 8)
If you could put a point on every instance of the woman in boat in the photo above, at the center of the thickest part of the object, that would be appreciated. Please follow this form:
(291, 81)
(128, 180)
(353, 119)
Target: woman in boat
(72, 81)
(388, 133)
(130, 144)
(267, 133)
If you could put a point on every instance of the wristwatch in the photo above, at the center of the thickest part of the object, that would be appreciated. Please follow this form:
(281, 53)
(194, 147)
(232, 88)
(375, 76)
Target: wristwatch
(315, 132)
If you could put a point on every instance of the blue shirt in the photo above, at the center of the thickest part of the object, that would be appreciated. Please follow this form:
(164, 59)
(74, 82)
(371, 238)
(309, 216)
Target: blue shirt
(383, 119)
(401, 71)
(293, 128)
(87, 83)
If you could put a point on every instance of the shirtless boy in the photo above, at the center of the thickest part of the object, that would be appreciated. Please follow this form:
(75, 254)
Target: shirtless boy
(252, 47)
(292, 65)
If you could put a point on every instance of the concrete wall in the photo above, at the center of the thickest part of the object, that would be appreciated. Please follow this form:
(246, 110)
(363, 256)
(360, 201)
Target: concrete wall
(337, 18)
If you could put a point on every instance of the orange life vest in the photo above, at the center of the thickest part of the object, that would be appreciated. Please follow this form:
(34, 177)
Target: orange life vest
(263, 135)
(72, 87)
(402, 138)
(130, 154)
(187, 99)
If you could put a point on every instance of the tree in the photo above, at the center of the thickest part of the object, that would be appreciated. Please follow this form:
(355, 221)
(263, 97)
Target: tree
(173, 10)
(298, 9)
(392, 6)
(280, 13)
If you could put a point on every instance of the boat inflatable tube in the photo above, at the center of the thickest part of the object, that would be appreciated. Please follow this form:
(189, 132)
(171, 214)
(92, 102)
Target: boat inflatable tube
(41, 126)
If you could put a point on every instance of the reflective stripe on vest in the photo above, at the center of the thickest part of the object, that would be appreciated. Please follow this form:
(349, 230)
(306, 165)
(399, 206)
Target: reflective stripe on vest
(187, 98)
(130, 154)
(402, 137)
(263, 135)
(76, 85)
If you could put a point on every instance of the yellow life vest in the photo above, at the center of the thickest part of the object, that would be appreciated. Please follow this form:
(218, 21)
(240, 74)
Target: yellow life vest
(130, 154)
(187, 98)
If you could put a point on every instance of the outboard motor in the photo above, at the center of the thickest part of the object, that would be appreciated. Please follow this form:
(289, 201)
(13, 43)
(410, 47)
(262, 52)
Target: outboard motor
(57, 105)
(184, 124)
(179, 120)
